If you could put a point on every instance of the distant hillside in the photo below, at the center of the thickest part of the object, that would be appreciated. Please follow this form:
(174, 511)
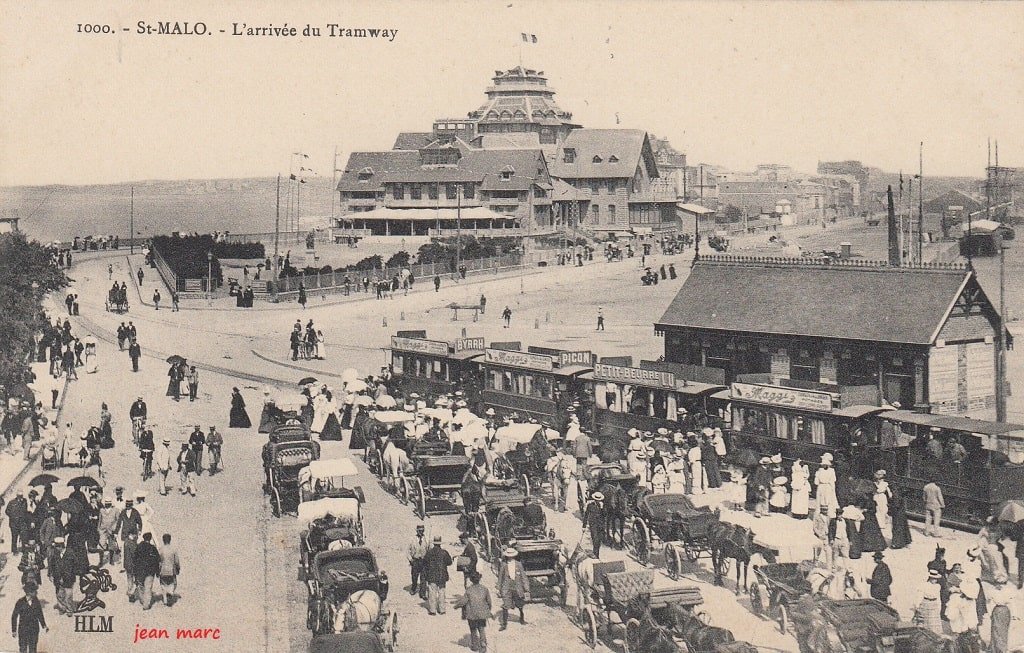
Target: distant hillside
(236, 205)
(933, 186)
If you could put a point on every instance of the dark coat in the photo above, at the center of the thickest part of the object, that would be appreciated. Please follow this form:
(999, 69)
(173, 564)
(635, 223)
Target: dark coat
(435, 565)
(880, 581)
(27, 618)
(147, 560)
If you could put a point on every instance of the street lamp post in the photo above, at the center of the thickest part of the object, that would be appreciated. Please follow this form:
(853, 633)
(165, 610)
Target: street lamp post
(209, 275)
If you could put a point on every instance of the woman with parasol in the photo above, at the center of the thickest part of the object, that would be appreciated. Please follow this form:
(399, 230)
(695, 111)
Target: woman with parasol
(239, 419)
(175, 376)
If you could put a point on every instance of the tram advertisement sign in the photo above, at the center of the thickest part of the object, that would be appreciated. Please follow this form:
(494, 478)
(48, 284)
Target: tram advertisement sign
(519, 359)
(621, 374)
(785, 397)
(416, 345)
(575, 358)
(469, 344)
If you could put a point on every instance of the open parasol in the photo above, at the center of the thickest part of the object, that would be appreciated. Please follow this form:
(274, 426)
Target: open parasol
(363, 400)
(386, 401)
(176, 360)
(1011, 511)
(355, 386)
(307, 380)
(83, 481)
(350, 374)
(44, 479)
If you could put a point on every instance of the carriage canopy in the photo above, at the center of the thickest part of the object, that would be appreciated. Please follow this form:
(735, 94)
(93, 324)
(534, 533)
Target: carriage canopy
(344, 507)
(393, 416)
(330, 468)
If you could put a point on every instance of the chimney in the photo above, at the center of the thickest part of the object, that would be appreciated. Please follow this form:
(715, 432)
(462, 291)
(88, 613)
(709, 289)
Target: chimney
(894, 242)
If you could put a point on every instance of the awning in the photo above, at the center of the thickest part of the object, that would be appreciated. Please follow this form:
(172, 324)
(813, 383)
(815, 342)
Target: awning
(952, 423)
(697, 388)
(909, 417)
(722, 394)
(465, 355)
(858, 410)
(695, 209)
(571, 370)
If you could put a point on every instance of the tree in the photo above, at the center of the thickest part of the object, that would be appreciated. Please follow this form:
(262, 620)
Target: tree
(733, 213)
(27, 275)
(398, 260)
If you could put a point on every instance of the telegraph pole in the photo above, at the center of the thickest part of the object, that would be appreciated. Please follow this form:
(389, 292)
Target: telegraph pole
(920, 203)
(458, 229)
(1001, 360)
(131, 222)
(277, 234)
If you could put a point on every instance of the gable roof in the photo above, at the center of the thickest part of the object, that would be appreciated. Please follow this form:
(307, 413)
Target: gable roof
(845, 301)
(477, 166)
(629, 146)
(412, 140)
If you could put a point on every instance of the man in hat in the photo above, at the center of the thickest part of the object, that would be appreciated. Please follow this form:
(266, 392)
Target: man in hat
(562, 468)
(147, 567)
(476, 610)
(594, 521)
(187, 470)
(130, 527)
(17, 519)
(215, 442)
(27, 619)
(933, 505)
(196, 442)
(145, 511)
(825, 480)
(583, 449)
(881, 579)
(694, 456)
(109, 517)
(162, 458)
(435, 570)
(146, 448)
(417, 549)
(823, 545)
(513, 586)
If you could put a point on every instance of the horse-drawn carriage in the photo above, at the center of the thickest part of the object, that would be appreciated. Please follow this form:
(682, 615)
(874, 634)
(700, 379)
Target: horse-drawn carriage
(385, 425)
(356, 641)
(117, 300)
(291, 430)
(346, 593)
(858, 625)
(331, 524)
(622, 494)
(526, 453)
(281, 409)
(325, 479)
(650, 618)
(434, 484)
(673, 519)
(776, 588)
(284, 461)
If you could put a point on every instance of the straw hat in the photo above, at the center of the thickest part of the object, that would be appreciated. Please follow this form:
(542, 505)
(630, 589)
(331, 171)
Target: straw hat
(779, 480)
(510, 553)
(880, 474)
(663, 431)
(826, 459)
(489, 412)
(765, 460)
(777, 458)
(597, 496)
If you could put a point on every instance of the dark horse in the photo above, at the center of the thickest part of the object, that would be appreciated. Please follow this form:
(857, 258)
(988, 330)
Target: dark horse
(650, 636)
(733, 542)
(698, 635)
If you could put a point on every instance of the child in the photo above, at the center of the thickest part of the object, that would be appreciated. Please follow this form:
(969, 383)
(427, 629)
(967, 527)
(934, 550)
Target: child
(739, 490)
(779, 501)
(659, 480)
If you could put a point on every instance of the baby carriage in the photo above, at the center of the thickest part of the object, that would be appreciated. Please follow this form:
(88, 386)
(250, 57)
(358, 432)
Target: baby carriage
(49, 458)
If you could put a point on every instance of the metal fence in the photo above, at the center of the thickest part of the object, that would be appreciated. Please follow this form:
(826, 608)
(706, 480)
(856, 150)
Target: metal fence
(422, 272)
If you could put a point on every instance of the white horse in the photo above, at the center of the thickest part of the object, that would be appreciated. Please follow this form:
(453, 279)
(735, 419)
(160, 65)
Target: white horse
(359, 611)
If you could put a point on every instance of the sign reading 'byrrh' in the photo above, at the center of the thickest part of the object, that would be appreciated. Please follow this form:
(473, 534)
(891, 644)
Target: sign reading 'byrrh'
(520, 359)
(621, 374)
(435, 347)
(786, 397)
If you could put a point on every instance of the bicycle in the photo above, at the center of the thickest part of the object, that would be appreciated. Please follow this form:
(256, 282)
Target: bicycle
(138, 425)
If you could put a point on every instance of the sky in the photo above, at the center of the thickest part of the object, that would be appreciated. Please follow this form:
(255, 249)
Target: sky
(730, 83)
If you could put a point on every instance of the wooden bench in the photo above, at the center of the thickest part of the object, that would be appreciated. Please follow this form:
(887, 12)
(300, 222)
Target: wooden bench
(464, 307)
(194, 285)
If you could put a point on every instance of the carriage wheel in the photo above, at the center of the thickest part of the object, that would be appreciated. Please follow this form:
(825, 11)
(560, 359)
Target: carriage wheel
(641, 542)
(673, 565)
(421, 505)
(484, 531)
(758, 600)
(379, 471)
(581, 501)
(526, 485)
(391, 633)
(311, 616)
(403, 493)
(588, 621)
(563, 590)
(723, 564)
(631, 639)
(783, 617)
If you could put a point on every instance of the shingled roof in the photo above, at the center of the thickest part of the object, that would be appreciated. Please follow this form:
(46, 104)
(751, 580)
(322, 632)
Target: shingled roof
(845, 301)
(412, 140)
(477, 166)
(620, 152)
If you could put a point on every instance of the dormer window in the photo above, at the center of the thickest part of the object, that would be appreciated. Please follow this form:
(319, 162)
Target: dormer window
(597, 158)
(613, 159)
(365, 174)
(507, 172)
(569, 155)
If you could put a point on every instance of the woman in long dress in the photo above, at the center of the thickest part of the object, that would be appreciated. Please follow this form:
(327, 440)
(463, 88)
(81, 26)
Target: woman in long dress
(881, 497)
(239, 419)
(91, 361)
(900, 527)
(174, 383)
(825, 480)
(319, 413)
(871, 538)
(332, 427)
(801, 486)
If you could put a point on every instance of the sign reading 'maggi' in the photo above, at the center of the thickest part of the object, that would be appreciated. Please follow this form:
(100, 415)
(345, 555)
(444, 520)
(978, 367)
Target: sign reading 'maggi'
(415, 345)
(620, 374)
(525, 359)
(785, 397)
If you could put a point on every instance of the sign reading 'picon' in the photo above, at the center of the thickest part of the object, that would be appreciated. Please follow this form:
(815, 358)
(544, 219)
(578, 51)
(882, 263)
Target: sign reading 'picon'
(575, 358)
(620, 374)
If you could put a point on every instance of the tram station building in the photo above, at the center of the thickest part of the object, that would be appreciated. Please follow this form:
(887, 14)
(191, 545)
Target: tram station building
(922, 337)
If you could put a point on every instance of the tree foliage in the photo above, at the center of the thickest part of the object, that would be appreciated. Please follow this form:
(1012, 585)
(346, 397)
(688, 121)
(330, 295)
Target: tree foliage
(27, 275)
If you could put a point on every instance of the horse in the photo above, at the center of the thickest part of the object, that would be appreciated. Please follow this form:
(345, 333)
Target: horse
(698, 635)
(653, 637)
(615, 508)
(360, 611)
(733, 542)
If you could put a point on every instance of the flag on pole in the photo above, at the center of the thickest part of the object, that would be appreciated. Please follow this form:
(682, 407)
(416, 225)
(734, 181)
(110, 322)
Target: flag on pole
(292, 177)
(529, 38)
